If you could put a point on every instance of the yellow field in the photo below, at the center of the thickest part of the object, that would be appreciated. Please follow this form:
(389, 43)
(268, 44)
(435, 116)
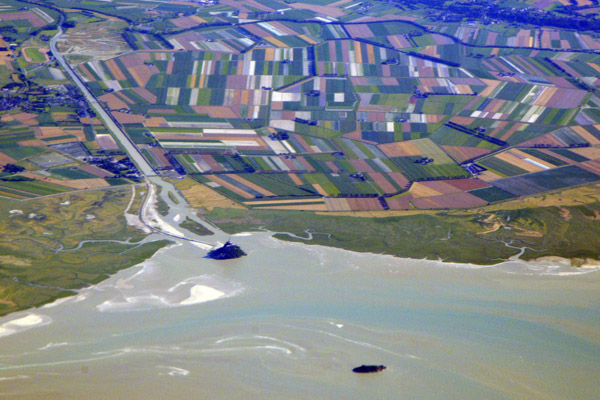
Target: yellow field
(93, 183)
(252, 185)
(47, 132)
(319, 189)
(518, 162)
(198, 195)
(276, 42)
(299, 207)
(586, 135)
(419, 189)
(280, 202)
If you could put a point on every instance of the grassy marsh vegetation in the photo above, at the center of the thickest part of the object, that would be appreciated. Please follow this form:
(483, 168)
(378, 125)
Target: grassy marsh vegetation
(195, 227)
(41, 254)
(565, 224)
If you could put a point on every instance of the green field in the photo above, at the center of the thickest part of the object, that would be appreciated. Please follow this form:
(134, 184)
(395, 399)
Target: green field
(73, 173)
(35, 55)
(35, 188)
(195, 227)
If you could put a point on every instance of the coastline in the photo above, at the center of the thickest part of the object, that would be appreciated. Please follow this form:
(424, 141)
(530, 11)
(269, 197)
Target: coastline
(585, 263)
(64, 295)
(438, 245)
(483, 236)
(311, 314)
(201, 292)
(549, 263)
(52, 262)
(32, 320)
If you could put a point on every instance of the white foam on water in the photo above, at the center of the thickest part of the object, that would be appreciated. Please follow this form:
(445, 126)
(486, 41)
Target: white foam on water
(57, 302)
(254, 343)
(173, 371)
(566, 273)
(238, 349)
(543, 268)
(12, 378)
(52, 345)
(80, 297)
(260, 338)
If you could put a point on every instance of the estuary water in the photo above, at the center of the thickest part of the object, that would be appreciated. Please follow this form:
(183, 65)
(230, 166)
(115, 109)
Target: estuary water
(290, 321)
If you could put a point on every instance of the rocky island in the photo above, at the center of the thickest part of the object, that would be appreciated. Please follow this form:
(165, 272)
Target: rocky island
(226, 252)
(367, 369)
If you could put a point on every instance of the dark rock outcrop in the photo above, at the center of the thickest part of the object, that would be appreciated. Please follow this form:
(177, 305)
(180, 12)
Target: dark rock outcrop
(367, 369)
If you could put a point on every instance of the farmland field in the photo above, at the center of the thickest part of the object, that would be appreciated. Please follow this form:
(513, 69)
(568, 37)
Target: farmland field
(339, 101)
(35, 55)
(347, 117)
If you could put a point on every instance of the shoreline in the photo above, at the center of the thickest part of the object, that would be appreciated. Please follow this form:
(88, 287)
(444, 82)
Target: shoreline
(65, 295)
(303, 313)
(591, 267)
(65, 250)
(576, 262)
(200, 293)
(441, 236)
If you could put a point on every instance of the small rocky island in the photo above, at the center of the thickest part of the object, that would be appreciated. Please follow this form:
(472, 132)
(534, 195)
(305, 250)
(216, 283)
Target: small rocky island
(368, 369)
(226, 252)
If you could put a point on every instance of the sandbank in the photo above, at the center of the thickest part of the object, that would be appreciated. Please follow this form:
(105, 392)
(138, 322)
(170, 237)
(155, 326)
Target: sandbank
(19, 324)
(201, 294)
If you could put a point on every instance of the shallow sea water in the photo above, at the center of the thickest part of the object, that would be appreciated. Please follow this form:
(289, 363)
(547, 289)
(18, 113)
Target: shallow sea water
(290, 321)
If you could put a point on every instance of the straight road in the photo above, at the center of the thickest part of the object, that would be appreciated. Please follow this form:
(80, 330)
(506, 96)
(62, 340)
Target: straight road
(115, 128)
(148, 215)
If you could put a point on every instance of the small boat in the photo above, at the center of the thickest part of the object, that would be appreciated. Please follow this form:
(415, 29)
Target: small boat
(226, 252)
(368, 369)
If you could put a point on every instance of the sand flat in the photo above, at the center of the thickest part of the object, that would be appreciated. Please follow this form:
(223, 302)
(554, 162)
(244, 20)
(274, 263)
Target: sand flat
(202, 294)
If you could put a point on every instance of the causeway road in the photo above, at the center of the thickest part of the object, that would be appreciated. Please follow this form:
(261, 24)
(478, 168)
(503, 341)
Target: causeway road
(115, 128)
(147, 211)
